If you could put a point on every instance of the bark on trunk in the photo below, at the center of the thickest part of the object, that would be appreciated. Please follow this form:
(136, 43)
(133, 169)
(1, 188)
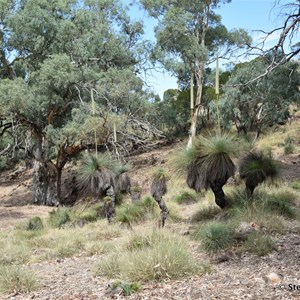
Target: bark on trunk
(163, 210)
(220, 198)
(110, 209)
(158, 189)
(44, 188)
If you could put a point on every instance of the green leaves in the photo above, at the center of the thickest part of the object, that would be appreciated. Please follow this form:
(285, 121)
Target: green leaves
(207, 161)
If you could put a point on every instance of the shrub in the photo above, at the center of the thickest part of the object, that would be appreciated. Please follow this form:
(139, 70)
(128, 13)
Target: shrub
(260, 244)
(15, 279)
(215, 236)
(59, 217)
(186, 197)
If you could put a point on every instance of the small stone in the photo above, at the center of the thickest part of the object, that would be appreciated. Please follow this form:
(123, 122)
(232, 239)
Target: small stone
(273, 278)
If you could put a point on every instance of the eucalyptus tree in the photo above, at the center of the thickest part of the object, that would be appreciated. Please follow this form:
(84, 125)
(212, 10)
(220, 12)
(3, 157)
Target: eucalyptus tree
(285, 46)
(55, 57)
(253, 105)
(190, 34)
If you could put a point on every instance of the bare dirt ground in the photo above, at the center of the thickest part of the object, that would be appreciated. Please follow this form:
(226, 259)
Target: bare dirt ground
(234, 277)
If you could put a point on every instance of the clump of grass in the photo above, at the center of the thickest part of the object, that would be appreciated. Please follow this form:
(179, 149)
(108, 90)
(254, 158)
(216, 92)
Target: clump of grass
(295, 185)
(109, 266)
(14, 252)
(270, 222)
(34, 224)
(238, 198)
(186, 197)
(138, 241)
(289, 146)
(59, 217)
(206, 213)
(88, 215)
(280, 203)
(97, 248)
(157, 256)
(136, 212)
(164, 260)
(14, 279)
(215, 236)
(259, 244)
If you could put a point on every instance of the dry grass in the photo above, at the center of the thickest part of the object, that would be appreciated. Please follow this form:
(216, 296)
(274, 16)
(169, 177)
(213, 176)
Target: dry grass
(275, 138)
(154, 255)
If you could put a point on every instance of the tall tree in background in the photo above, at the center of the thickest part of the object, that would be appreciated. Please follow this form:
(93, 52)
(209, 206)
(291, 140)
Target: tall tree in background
(190, 33)
(53, 55)
(287, 47)
(254, 105)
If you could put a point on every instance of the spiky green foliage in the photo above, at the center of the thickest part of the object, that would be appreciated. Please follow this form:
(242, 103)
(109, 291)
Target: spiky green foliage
(59, 217)
(256, 167)
(159, 183)
(215, 236)
(259, 243)
(97, 172)
(208, 161)
(34, 224)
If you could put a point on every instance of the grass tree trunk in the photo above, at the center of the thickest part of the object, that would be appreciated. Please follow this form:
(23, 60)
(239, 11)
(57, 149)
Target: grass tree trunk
(158, 189)
(220, 198)
(110, 209)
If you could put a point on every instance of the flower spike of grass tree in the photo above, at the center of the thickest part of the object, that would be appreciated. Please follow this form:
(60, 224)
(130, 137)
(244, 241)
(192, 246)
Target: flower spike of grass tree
(208, 164)
(158, 189)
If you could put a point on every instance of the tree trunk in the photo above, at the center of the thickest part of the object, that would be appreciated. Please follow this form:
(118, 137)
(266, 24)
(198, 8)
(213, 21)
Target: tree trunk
(163, 210)
(110, 209)
(44, 189)
(220, 198)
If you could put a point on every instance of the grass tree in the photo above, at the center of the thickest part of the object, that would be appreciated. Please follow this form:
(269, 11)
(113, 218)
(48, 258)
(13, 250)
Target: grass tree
(158, 189)
(208, 164)
(123, 182)
(97, 173)
(255, 167)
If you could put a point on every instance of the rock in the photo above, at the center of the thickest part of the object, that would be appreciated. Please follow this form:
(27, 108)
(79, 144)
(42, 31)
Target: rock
(273, 278)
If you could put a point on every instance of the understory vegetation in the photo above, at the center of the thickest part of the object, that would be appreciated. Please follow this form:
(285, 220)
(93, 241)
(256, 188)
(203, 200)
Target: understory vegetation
(141, 251)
